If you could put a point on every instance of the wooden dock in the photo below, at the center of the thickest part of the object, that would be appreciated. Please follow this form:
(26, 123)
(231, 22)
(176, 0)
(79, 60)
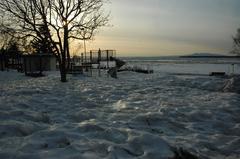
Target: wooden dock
(217, 74)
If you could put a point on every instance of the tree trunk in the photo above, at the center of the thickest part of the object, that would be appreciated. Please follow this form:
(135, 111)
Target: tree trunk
(63, 74)
(63, 69)
(68, 56)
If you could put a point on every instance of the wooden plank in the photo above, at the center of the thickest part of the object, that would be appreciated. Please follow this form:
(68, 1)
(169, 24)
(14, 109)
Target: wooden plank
(217, 74)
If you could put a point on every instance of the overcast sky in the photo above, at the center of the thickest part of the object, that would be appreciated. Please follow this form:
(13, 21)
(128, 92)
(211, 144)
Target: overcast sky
(169, 27)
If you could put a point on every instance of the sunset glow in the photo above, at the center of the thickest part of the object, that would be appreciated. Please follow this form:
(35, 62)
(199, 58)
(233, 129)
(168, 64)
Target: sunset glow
(159, 27)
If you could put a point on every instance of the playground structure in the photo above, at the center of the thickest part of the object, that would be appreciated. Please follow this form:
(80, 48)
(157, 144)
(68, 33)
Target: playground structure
(35, 64)
(95, 60)
(100, 57)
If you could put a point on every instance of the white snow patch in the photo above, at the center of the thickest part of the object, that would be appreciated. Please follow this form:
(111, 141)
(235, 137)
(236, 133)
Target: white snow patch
(134, 116)
(120, 105)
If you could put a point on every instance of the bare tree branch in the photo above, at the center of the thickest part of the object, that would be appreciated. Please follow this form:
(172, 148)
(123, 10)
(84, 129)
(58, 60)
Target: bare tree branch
(236, 42)
(61, 21)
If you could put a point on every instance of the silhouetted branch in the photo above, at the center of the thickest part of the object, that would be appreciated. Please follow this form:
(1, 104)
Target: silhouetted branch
(54, 22)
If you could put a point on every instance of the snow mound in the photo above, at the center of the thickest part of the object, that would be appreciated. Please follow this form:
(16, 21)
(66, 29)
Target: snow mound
(135, 116)
(232, 85)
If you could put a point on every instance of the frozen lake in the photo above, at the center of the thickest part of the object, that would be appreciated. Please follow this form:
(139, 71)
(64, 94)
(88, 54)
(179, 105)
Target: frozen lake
(135, 116)
(177, 65)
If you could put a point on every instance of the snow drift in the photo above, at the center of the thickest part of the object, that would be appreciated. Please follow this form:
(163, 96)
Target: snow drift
(135, 116)
(232, 85)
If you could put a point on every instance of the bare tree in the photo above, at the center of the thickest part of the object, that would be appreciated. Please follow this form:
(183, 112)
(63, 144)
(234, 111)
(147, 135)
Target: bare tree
(236, 40)
(5, 36)
(62, 20)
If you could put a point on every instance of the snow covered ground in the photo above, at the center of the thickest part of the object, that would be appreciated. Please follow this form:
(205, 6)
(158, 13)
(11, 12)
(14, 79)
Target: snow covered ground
(134, 116)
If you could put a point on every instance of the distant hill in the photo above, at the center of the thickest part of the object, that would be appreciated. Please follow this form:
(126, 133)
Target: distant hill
(206, 54)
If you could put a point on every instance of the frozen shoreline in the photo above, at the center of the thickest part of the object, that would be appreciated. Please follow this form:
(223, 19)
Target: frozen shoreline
(135, 116)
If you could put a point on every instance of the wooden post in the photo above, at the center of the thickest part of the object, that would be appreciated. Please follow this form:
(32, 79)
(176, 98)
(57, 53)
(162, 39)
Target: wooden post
(91, 69)
(233, 69)
(99, 56)
(1, 61)
(18, 63)
(99, 70)
(82, 58)
(25, 65)
(107, 59)
(90, 57)
(30, 65)
(41, 65)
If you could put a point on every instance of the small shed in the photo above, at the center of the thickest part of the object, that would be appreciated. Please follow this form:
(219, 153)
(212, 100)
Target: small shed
(35, 64)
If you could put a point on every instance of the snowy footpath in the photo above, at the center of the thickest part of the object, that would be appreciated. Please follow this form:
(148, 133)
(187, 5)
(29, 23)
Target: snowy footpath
(135, 116)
